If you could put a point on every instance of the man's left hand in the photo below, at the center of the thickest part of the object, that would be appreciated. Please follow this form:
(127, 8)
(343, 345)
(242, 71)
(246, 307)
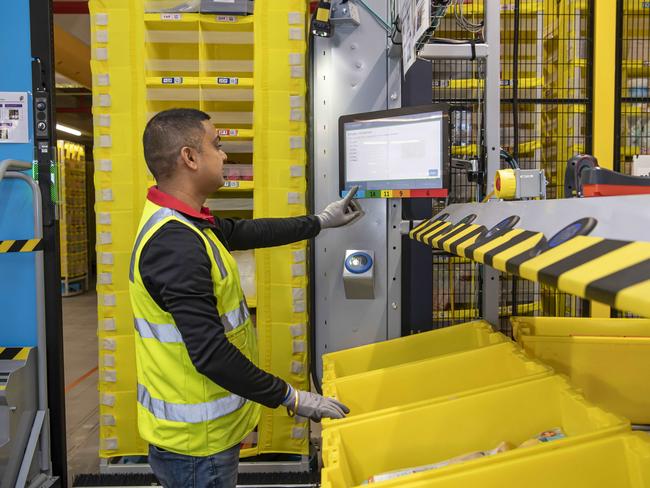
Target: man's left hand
(342, 212)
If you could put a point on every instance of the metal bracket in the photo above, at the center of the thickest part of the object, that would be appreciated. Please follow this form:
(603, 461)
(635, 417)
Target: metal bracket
(345, 14)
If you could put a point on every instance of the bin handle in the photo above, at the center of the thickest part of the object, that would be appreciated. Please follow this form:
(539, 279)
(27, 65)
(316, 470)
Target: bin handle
(13, 165)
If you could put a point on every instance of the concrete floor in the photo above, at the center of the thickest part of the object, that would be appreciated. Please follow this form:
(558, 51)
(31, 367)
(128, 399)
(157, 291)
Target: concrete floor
(82, 401)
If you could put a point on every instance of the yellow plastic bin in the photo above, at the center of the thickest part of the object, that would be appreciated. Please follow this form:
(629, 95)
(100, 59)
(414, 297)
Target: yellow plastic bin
(621, 461)
(436, 432)
(426, 345)
(385, 390)
(608, 359)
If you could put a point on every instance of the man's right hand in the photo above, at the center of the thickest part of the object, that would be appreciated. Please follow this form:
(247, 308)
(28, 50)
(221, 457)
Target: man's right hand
(314, 406)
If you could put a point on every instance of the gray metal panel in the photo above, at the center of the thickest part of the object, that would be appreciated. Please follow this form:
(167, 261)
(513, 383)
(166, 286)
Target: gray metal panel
(624, 218)
(490, 301)
(453, 51)
(351, 73)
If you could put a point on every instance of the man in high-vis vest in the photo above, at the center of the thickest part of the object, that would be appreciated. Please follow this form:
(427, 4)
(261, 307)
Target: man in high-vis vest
(199, 389)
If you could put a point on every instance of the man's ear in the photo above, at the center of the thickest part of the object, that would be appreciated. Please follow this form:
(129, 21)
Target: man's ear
(188, 157)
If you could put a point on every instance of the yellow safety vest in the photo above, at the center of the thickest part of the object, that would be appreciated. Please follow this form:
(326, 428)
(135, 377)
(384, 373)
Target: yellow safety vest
(179, 409)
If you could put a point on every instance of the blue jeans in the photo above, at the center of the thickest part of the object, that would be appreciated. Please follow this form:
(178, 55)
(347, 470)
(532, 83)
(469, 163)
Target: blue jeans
(176, 470)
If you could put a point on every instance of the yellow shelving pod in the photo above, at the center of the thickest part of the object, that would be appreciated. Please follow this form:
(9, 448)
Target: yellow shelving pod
(73, 229)
(226, 65)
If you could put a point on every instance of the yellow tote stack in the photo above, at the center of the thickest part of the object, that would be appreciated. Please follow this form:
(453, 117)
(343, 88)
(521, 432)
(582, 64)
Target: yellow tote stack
(608, 359)
(72, 227)
(475, 390)
(248, 74)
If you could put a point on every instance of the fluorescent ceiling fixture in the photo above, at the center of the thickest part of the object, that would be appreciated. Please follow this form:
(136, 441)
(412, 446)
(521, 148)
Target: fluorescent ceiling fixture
(69, 130)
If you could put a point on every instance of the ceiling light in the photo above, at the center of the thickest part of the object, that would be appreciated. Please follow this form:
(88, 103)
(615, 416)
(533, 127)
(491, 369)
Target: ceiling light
(69, 130)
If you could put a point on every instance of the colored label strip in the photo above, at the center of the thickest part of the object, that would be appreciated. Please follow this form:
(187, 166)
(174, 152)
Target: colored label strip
(430, 193)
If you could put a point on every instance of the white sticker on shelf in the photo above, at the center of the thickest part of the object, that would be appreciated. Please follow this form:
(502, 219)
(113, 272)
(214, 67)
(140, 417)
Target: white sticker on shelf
(109, 444)
(109, 300)
(104, 100)
(296, 142)
(106, 195)
(108, 419)
(298, 432)
(109, 375)
(296, 101)
(297, 115)
(299, 306)
(108, 400)
(299, 256)
(101, 35)
(104, 120)
(298, 270)
(297, 367)
(103, 79)
(105, 165)
(295, 198)
(295, 59)
(299, 346)
(296, 33)
(297, 330)
(101, 19)
(298, 294)
(297, 72)
(105, 140)
(109, 344)
(101, 53)
(105, 279)
(297, 171)
(109, 324)
(105, 238)
(107, 258)
(109, 360)
(296, 18)
(104, 218)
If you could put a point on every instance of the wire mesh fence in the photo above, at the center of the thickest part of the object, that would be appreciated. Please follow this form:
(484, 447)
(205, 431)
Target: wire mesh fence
(633, 79)
(546, 106)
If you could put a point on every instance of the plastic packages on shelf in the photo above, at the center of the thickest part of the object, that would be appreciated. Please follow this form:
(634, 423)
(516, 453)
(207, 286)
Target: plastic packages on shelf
(234, 7)
(238, 172)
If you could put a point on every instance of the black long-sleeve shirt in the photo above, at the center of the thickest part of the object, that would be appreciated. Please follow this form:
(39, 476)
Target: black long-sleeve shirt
(175, 269)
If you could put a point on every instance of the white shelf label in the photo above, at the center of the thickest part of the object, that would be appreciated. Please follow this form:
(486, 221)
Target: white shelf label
(172, 80)
(231, 184)
(224, 80)
(171, 16)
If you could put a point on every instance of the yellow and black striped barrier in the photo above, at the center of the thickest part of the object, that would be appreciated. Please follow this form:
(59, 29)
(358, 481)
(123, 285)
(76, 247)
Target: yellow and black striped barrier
(11, 354)
(608, 271)
(26, 245)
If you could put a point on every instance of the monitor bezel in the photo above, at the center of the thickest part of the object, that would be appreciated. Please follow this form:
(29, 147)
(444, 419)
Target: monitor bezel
(396, 112)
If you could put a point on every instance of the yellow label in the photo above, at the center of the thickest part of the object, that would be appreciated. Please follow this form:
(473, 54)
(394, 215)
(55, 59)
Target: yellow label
(386, 193)
(323, 14)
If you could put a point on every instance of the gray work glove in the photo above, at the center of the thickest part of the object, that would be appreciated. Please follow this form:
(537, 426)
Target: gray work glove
(341, 212)
(313, 405)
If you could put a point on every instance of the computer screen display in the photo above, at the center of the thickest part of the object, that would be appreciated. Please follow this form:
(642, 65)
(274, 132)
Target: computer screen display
(401, 149)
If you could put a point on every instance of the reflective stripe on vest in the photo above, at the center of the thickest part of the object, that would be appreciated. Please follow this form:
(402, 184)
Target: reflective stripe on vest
(189, 413)
(233, 319)
(170, 333)
(159, 215)
(161, 332)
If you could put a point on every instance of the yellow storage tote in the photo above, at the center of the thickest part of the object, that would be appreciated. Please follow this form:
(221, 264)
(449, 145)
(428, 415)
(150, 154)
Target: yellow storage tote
(608, 359)
(621, 461)
(426, 345)
(436, 432)
(385, 390)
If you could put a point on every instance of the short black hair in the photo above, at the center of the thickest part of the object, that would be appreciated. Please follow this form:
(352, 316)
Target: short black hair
(166, 133)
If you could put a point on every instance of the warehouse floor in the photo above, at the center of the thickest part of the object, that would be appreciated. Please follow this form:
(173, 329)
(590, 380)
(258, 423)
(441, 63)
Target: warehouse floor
(82, 402)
